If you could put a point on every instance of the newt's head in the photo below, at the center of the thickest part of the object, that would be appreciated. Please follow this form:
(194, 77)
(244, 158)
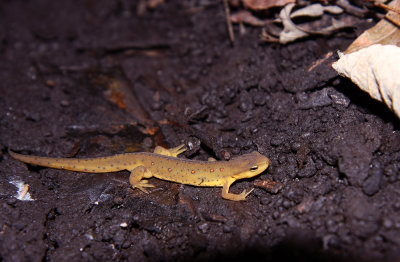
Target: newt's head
(249, 165)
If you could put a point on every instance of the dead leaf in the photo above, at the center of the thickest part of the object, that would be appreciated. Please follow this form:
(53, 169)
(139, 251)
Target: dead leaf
(246, 17)
(316, 10)
(119, 93)
(376, 70)
(269, 185)
(384, 32)
(265, 4)
(292, 32)
(152, 4)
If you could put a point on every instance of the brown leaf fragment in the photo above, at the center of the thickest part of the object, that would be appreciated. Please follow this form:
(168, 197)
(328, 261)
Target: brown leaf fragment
(269, 185)
(119, 93)
(246, 17)
(268, 37)
(301, 155)
(152, 4)
(265, 4)
(214, 217)
(384, 32)
(305, 205)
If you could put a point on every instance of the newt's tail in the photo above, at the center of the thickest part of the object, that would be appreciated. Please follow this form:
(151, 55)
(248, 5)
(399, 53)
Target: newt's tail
(89, 165)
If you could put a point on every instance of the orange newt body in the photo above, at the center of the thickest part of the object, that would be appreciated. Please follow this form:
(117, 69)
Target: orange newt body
(164, 164)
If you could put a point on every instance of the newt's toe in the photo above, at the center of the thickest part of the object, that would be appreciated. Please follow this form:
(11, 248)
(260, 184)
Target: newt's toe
(142, 186)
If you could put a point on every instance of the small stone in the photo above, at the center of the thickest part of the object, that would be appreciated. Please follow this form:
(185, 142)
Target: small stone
(203, 227)
(286, 204)
(275, 215)
(50, 83)
(65, 103)
(387, 223)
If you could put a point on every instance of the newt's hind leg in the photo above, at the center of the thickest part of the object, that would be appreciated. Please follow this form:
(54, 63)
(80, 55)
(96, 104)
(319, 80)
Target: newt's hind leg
(230, 196)
(135, 179)
(174, 152)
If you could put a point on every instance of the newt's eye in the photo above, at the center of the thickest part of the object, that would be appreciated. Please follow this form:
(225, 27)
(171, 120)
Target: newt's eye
(254, 168)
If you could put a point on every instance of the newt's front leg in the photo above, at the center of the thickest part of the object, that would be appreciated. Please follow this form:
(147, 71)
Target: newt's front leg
(135, 179)
(174, 152)
(230, 196)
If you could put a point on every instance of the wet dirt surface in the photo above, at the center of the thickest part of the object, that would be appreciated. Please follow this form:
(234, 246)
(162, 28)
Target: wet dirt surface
(94, 78)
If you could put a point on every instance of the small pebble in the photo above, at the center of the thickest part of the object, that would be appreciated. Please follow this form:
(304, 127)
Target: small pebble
(203, 227)
(64, 103)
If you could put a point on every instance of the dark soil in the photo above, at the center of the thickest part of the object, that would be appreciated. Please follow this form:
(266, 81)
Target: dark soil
(95, 78)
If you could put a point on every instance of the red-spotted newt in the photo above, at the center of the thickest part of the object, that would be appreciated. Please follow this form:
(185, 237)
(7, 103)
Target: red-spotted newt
(164, 164)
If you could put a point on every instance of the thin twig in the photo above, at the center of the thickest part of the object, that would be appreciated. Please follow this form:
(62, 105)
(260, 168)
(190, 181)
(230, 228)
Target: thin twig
(387, 7)
(389, 15)
(228, 21)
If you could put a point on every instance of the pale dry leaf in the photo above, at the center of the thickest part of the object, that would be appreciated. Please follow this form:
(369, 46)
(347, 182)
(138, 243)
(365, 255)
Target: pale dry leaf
(384, 32)
(328, 30)
(265, 4)
(292, 32)
(376, 70)
(316, 10)
(333, 9)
